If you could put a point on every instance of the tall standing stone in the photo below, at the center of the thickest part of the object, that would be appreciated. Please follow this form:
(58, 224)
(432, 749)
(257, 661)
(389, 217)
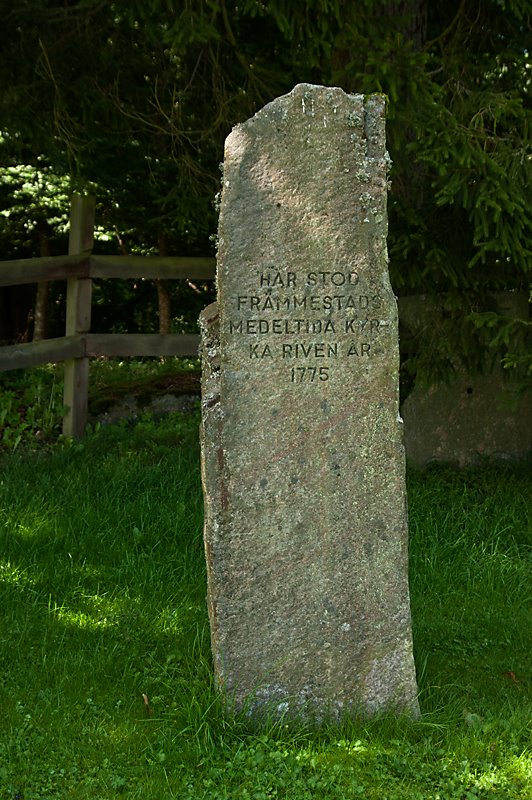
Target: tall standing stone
(303, 464)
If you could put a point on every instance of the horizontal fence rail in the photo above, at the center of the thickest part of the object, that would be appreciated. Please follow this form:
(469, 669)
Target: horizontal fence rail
(53, 268)
(50, 268)
(47, 351)
(91, 345)
(75, 349)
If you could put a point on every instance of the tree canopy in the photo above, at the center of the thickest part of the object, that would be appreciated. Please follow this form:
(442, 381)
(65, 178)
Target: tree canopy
(134, 99)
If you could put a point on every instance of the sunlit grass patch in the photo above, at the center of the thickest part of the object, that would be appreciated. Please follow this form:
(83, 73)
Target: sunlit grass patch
(106, 684)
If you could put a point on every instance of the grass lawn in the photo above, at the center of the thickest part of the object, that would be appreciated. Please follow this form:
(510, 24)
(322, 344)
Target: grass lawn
(105, 683)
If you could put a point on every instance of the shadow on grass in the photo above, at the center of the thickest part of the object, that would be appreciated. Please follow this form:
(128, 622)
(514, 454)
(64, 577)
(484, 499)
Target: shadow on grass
(102, 593)
(106, 680)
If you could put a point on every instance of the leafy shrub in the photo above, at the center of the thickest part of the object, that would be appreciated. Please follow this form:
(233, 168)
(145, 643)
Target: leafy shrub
(31, 406)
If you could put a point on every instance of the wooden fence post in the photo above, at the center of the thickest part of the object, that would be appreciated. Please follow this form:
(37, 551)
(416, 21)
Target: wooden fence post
(78, 318)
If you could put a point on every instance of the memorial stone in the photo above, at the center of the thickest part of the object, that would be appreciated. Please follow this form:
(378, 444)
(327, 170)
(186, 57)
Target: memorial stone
(302, 455)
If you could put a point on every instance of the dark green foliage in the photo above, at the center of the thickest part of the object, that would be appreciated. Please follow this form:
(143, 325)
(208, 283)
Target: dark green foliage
(135, 100)
(31, 407)
(31, 401)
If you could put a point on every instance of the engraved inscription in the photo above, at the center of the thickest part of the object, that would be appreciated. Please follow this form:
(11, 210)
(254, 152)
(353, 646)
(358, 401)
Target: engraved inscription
(309, 374)
(328, 302)
(300, 350)
(278, 280)
(334, 316)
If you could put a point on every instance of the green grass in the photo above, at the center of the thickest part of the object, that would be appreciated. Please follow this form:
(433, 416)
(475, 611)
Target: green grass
(102, 601)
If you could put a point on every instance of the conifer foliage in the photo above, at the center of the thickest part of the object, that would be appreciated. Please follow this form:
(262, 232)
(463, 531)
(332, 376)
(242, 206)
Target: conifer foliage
(136, 98)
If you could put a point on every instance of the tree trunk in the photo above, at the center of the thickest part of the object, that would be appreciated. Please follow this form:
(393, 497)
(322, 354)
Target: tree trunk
(40, 317)
(163, 291)
(411, 18)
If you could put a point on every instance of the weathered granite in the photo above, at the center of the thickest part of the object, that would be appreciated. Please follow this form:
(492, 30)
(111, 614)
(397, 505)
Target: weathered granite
(468, 419)
(302, 459)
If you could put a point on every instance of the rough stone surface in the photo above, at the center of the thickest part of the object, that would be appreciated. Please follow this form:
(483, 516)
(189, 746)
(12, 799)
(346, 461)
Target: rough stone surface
(470, 419)
(303, 465)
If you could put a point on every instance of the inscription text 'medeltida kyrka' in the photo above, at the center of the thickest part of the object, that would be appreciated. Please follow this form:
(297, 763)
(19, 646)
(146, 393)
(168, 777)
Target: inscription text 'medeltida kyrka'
(326, 315)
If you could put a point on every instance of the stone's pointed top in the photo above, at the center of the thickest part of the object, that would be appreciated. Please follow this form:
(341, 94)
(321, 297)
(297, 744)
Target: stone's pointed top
(327, 92)
(307, 94)
(313, 88)
(302, 461)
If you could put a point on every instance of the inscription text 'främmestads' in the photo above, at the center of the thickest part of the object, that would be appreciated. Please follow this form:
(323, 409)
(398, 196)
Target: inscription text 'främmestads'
(302, 457)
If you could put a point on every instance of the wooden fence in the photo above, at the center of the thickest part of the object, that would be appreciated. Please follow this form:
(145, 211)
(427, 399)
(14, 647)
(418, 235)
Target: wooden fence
(78, 345)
